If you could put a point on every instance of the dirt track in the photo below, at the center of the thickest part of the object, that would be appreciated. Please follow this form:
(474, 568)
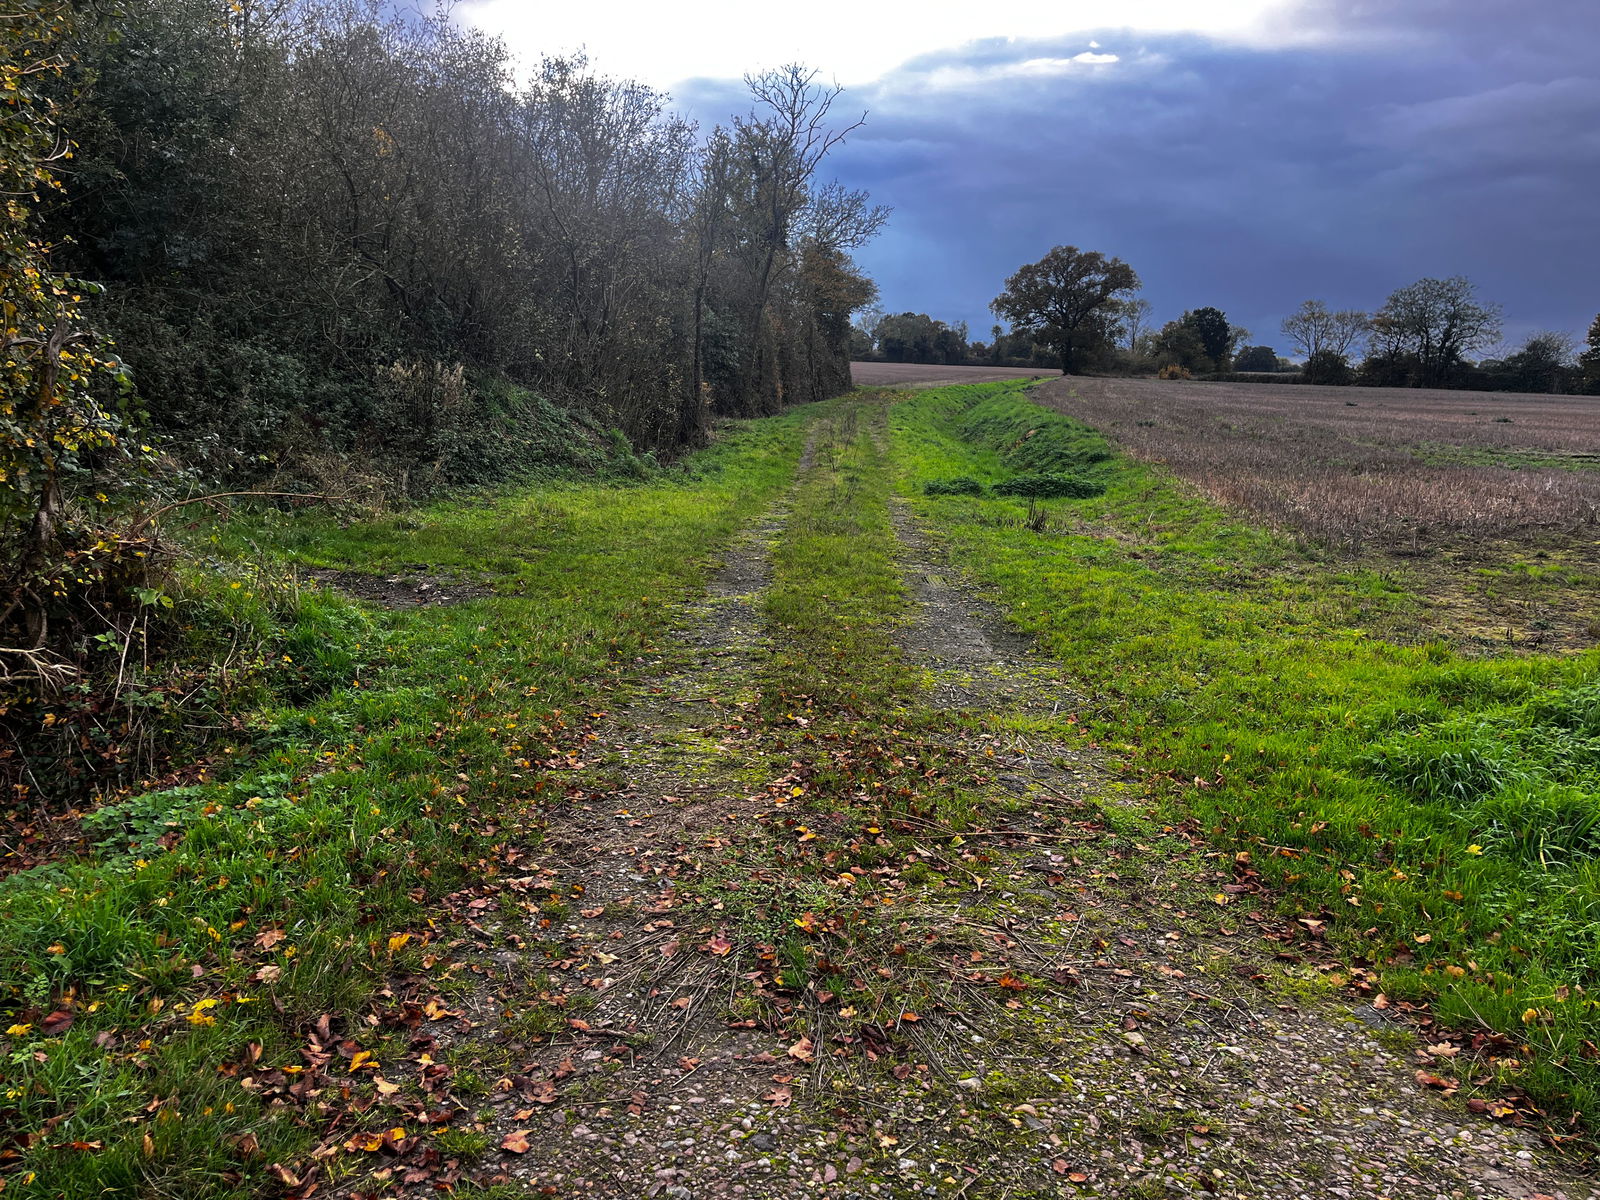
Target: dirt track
(1088, 1022)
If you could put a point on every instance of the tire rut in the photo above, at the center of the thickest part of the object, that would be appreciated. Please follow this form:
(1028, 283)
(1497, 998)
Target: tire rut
(668, 785)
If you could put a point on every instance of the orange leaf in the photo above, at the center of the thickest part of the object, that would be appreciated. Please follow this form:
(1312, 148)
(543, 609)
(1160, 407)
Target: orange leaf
(516, 1141)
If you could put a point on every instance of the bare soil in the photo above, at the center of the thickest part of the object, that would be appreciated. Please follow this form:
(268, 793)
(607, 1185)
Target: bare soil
(1402, 470)
(400, 591)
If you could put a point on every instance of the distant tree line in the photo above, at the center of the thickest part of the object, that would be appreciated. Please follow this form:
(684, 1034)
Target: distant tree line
(918, 338)
(1426, 335)
(326, 230)
(1080, 310)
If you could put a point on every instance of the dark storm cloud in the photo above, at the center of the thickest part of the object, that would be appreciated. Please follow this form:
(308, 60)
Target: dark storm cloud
(1410, 139)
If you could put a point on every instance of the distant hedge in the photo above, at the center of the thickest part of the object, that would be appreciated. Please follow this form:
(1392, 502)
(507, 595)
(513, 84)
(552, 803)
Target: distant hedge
(1253, 377)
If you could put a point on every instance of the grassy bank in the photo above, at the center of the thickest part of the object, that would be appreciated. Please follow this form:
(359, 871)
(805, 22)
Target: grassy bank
(1438, 815)
(174, 1004)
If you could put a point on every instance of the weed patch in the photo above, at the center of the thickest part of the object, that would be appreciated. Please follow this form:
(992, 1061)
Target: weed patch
(962, 485)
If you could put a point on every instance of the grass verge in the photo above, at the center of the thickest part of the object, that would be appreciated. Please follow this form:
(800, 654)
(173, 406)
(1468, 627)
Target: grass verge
(1436, 814)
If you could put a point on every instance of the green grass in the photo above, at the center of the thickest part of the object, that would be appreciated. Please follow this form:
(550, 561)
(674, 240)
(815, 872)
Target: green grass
(836, 589)
(1514, 460)
(283, 883)
(829, 877)
(1440, 810)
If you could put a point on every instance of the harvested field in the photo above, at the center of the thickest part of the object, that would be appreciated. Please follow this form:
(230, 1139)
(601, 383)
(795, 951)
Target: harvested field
(888, 374)
(1396, 469)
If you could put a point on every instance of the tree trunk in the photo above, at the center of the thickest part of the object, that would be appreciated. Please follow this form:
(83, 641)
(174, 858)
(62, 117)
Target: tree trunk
(689, 414)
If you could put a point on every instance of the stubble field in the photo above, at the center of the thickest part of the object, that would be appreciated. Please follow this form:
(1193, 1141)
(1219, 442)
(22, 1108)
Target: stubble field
(1386, 468)
(888, 374)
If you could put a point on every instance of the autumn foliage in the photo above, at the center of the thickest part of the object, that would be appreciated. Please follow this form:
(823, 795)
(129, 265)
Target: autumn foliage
(60, 430)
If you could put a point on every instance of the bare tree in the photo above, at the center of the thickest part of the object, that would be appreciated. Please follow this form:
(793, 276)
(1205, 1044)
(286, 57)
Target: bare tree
(780, 145)
(1136, 319)
(1313, 328)
(1437, 322)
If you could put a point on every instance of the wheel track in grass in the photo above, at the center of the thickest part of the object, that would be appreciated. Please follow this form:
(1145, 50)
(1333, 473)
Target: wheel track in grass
(1296, 1099)
(1087, 1023)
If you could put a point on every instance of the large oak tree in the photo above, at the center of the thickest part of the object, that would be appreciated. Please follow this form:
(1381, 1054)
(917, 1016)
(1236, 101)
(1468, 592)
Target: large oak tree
(1070, 300)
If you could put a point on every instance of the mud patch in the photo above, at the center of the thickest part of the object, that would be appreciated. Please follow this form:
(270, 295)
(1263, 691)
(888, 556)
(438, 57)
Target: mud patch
(400, 591)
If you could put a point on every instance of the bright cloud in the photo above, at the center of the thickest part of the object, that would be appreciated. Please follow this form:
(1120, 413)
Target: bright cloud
(852, 42)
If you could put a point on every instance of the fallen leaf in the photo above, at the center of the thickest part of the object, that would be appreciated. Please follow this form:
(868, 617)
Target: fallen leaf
(804, 1050)
(516, 1142)
(1424, 1079)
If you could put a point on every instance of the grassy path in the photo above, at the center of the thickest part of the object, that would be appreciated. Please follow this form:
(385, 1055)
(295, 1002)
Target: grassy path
(845, 903)
(815, 883)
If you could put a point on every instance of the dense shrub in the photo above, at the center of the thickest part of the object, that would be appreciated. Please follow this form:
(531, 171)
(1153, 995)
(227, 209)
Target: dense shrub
(1049, 487)
(281, 297)
(961, 485)
(1327, 367)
